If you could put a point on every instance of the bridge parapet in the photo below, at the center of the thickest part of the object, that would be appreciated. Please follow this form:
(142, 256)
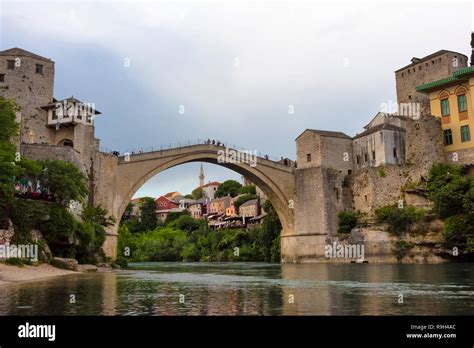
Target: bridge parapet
(210, 148)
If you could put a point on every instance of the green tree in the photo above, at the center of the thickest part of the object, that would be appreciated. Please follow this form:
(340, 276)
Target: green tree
(197, 193)
(189, 196)
(64, 181)
(97, 215)
(452, 193)
(129, 208)
(399, 220)
(248, 189)
(447, 187)
(230, 187)
(148, 214)
(8, 169)
(59, 230)
(172, 216)
(186, 223)
(347, 221)
(269, 238)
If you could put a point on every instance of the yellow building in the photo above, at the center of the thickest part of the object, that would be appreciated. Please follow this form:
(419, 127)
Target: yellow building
(451, 100)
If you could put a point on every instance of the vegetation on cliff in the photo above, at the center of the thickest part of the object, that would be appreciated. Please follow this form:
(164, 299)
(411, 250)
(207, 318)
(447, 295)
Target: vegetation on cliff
(451, 190)
(347, 221)
(399, 220)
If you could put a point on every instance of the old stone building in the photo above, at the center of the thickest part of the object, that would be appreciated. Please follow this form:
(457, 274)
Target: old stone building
(423, 70)
(382, 142)
(250, 208)
(318, 147)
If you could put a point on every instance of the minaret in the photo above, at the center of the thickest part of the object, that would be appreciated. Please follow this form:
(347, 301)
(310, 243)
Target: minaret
(201, 177)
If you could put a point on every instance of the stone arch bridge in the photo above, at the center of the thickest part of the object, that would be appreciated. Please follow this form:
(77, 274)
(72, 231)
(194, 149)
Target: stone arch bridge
(119, 178)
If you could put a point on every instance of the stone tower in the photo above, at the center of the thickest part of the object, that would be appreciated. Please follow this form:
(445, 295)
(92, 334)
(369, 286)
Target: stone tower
(433, 67)
(201, 176)
(28, 79)
(48, 127)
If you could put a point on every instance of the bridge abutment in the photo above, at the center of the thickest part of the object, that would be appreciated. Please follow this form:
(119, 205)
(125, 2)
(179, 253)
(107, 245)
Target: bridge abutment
(318, 198)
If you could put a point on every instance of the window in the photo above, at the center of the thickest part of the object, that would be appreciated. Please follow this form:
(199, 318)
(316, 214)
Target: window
(358, 159)
(445, 107)
(462, 103)
(366, 157)
(373, 155)
(10, 64)
(465, 134)
(308, 157)
(448, 137)
(39, 69)
(394, 152)
(2, 77)
(68, 142)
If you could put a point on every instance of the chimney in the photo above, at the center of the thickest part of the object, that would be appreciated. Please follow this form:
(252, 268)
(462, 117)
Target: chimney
(472, 48)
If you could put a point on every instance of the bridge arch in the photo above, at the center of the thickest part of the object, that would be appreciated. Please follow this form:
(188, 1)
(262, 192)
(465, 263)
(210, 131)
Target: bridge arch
(275, 179)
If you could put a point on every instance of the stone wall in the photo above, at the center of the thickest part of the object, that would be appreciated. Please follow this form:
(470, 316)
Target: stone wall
(43, 152)
(336, 153)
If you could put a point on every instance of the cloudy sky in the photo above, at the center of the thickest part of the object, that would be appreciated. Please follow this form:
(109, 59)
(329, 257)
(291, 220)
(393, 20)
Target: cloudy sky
(236, 67)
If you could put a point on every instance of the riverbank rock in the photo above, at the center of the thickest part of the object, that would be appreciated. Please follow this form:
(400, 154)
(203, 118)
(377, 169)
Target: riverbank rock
(86, 268)
(69, 264)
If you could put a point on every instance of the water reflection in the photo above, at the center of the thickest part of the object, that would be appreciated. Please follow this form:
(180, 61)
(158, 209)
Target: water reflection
(250, 289)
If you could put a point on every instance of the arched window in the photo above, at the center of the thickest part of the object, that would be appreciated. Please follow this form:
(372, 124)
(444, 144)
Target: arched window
(462, 100)
(444, 97)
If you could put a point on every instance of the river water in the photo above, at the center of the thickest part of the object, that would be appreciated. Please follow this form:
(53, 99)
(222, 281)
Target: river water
(168, 288)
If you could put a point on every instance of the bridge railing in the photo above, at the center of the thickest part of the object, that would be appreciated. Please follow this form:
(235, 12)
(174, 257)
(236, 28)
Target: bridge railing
(169, 146)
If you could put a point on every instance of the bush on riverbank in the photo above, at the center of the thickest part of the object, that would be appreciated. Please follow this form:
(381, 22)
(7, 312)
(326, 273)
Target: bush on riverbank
(399, 220)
